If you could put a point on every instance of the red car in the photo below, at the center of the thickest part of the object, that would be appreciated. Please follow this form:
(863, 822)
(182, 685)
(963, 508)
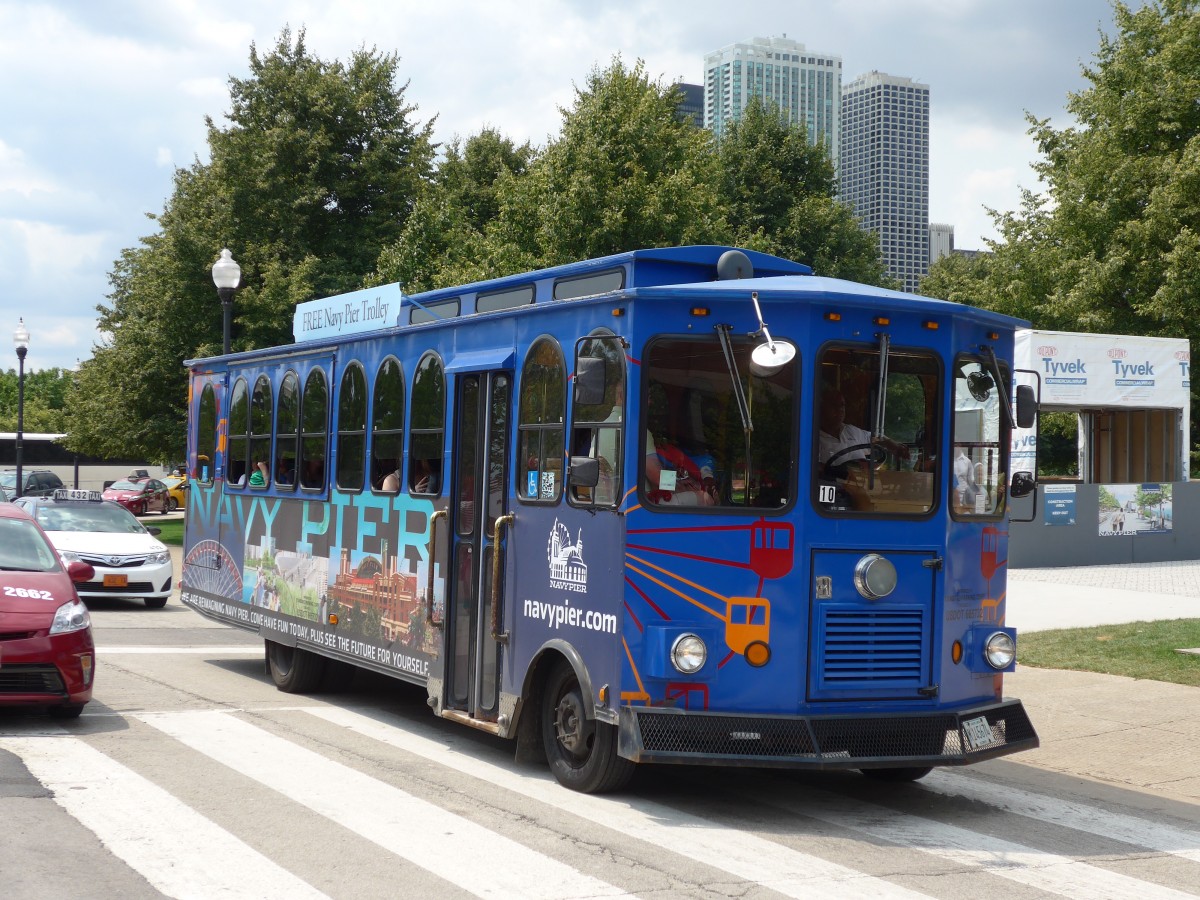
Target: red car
(47, 656)
(140, 495)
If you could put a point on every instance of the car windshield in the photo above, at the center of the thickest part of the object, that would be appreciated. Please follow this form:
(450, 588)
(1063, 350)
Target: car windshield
(8, 479)
(23, 549)
(125, 486)
(92, 517)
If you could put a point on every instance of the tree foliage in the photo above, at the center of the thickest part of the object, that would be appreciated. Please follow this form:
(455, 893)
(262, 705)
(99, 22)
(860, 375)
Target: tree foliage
(45, 400)
(1112, 244)
(778, 191)
(317, 170)
(627, 172)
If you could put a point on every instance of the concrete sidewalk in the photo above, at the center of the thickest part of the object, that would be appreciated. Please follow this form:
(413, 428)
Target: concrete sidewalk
(1080, 596)
(1120, 731)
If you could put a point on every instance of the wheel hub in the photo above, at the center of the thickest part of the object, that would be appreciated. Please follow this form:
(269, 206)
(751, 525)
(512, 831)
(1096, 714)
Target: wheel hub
(569, 724)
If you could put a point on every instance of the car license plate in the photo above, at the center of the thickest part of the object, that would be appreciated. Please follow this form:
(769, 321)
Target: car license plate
(116, 580)
(978, 732)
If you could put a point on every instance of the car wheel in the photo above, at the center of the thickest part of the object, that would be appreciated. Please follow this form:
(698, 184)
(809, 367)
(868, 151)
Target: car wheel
(70, 711)
(167, 505)
(156, 602)
(174, 504)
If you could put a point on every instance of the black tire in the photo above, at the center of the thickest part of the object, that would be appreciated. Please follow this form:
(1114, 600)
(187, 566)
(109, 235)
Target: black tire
(582, 752)
(173, 504)
(156, 602)
(905, 773)
(167, 506)
(70, 711)
(293, 670)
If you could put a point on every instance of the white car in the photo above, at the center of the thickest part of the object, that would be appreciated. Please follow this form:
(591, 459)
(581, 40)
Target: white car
(129, 561)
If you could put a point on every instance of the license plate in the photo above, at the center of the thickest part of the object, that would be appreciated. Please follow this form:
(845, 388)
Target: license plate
(978, 732)
(116, 580)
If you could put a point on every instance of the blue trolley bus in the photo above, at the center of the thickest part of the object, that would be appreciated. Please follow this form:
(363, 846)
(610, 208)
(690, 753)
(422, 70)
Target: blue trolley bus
(607, 510)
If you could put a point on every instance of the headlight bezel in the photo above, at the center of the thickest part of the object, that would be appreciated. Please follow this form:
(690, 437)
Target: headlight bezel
(70, 617)
(688, 653)
(1000, 650)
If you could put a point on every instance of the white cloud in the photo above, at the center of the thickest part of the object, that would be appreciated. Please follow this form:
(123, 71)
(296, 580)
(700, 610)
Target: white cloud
(103, 100)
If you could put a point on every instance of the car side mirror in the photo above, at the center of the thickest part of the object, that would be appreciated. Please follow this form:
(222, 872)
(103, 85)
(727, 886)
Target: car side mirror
(1023, 484)
(154, 531)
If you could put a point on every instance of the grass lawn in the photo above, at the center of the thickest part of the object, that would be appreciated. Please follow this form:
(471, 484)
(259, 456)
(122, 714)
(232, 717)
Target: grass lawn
(1136, 650)
(171, 531)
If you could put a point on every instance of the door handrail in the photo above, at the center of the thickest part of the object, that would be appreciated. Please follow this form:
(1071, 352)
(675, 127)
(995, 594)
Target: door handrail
(501, 522)
(439, 514)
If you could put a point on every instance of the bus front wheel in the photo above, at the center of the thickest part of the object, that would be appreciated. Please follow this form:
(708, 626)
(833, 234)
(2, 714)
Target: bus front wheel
(293, 670)
(582, 752)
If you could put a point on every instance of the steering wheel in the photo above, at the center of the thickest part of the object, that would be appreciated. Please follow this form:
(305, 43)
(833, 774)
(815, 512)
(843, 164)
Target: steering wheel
(875, 454)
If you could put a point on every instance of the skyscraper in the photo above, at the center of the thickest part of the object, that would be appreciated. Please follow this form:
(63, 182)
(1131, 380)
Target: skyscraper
(806, 85)
(884, 171)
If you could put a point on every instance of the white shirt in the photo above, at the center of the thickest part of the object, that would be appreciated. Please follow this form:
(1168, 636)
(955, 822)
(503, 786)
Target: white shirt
(847, 437)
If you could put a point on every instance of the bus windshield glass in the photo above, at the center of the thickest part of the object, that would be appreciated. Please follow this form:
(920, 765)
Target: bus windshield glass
(980, 438)
(877, 431)
(695, 445)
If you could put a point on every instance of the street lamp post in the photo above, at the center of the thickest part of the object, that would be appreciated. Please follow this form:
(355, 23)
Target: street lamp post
(226, 275)
(21, 339)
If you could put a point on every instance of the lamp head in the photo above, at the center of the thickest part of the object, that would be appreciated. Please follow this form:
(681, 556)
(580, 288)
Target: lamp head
(21, 338)
(226, 273)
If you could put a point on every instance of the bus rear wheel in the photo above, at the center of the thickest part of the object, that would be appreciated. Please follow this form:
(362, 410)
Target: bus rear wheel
(582, 752)
(293, 670)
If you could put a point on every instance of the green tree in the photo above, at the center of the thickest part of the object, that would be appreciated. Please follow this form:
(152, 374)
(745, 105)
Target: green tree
(625, 172)
(1112, 243)
(45, 400)
(317, 170)
(442, 242)
(778, 191)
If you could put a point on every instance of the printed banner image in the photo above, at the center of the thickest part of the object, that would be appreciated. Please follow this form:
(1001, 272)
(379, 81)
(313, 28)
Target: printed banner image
(1134, 509)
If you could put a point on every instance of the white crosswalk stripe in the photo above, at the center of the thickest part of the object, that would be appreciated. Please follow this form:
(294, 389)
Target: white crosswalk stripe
(1047, 871)
(182, 853)
(745, 855)
(412, 828)
(1077, 816)
(171, 845)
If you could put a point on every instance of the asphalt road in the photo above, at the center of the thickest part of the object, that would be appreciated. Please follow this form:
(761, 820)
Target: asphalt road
(190, 775)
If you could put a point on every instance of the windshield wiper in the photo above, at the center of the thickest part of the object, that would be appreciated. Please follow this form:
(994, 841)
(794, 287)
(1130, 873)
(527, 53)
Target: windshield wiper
(743, 407)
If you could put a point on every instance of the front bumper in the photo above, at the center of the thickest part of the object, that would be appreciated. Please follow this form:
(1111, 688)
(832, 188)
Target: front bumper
(47, 670)
(147, 580)
(665, 735)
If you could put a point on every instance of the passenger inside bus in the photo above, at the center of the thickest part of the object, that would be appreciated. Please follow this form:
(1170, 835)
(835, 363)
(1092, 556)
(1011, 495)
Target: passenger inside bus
(261, 476)
(675, 478)
(423, 477)
(845, 450)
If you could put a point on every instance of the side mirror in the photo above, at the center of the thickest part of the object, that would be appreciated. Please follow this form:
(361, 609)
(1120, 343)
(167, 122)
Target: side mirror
(154, 531)
(1026, 407)
(1022, 484)
(589, 380)
(585, 471)
(80, 571)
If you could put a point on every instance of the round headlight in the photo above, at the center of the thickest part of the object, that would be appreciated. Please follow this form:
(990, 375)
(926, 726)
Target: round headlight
(688, 654)
(1000, 650)
(874, 576)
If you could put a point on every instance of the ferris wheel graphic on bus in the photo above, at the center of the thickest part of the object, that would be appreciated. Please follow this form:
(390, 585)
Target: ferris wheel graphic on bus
(673, 580)
(209, 569)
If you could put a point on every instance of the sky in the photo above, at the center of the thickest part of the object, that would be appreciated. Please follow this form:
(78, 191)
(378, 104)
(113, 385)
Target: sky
(100, 100)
